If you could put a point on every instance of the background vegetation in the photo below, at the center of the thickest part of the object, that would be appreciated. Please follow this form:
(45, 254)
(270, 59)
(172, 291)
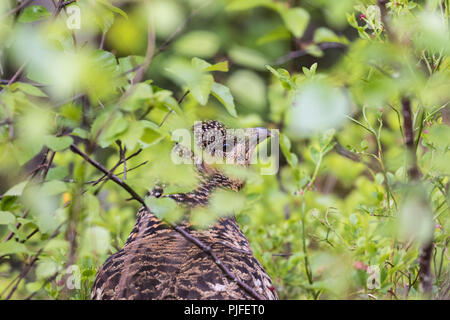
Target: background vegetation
(359, 90)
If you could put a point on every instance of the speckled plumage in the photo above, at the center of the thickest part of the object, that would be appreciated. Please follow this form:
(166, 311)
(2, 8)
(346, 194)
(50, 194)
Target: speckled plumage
(158, 262)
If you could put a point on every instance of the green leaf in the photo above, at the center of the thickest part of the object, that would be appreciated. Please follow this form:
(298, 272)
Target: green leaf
(172, 104)
(221, 66)
(283, 76)
(351, 19)
(46, 269)
(237, 5)
(248, 57)
(7, 217)
(17, 189)
(83, 134)
(225, 202)
(114, 130)
(105, 20)
(314, 50)
(295, 19)
(151, 134)
(99, 240)
(193, 76)
(223, 94)
(133, 134)
(311, 71)
(280, 33)
(105, 61)
(317, 107)
(58, 143)
(201, 89)
(34, 286)
(315, 154)
(285, 145)
(200, 64)
(12, 247)
(199, 43)
(113, 8)
(54, 187)
(128, 63)
(164, 208)
(27, 88)
(57, 173)
(142, 93)
(34, 13)
(326, 35)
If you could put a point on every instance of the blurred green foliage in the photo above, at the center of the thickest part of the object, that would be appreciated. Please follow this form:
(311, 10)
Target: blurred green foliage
(330, 75)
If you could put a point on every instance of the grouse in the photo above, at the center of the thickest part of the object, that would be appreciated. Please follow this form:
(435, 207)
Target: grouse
(157, 262)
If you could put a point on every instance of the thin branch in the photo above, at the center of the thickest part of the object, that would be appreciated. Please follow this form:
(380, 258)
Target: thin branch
(105, 177)
(413, 170)
(425, 256)
(117, 174)
(148, 55)
(18, 224)
(299, 53)
(18, 8)
(61, 5)
(102, 41)
(383, 12)
(114, 178)
(123, 150)
(17, 74)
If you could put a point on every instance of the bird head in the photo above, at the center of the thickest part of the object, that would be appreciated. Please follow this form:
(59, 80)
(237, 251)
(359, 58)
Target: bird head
(232, 146)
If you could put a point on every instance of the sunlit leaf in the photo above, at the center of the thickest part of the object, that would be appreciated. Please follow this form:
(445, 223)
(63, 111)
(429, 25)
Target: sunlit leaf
(12, 247)
(34, 13)
(223, 94)
(6, 217)
(58, 143)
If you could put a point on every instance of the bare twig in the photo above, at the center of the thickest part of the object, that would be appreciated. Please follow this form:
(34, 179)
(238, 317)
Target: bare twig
(117, 174)
(105, 177)
(148, 55)
(413, 171)
(299, 53)
(19, 7)
(425, 256)
(17, 74)
(61, 5)
(383, 12)
(123, 150)
(18, 224)
(113, 177)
